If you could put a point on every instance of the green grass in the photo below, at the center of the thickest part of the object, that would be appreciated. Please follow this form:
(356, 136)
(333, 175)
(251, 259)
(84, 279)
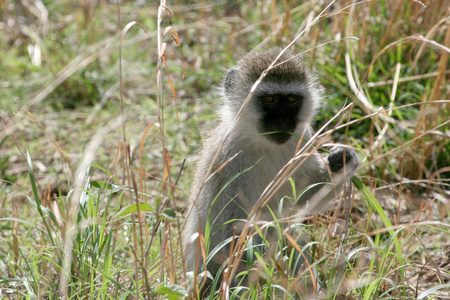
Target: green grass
(92, 207)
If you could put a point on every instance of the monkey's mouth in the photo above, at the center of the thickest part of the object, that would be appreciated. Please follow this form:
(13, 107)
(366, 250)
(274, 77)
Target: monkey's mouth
(279, 137)
(277, 129)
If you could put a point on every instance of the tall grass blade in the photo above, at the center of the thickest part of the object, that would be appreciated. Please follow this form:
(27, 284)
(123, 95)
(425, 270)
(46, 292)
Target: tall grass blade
(375, 205)
(36, 196)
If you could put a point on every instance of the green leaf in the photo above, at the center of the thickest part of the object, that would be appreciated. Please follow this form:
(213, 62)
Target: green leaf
(23, 222)
(171, 291)
(169, 214)
(134, 208)
(427, 293)
(106, 185)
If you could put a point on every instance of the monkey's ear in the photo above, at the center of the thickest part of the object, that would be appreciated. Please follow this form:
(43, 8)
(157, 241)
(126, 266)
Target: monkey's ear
(230, 80)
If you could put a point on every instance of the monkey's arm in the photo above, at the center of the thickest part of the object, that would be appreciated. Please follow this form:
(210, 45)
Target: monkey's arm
(333, 171)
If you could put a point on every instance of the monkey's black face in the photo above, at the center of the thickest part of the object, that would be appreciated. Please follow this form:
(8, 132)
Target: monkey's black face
(279, 115)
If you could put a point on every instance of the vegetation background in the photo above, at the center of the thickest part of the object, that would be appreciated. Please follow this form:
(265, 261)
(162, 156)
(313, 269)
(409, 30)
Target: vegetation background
(102, 110)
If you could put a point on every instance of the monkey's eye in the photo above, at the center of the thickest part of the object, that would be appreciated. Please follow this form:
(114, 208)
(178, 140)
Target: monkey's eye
(269, 100)
(291, 99)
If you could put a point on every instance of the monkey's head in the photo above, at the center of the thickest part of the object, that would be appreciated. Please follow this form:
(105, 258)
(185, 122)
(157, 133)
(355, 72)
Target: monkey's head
(283, 104)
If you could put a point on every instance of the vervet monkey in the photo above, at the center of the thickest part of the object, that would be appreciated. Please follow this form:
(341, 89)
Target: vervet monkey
(272, 127)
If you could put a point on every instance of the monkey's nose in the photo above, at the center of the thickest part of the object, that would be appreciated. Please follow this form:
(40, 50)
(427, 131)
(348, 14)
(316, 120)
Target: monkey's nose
(285, 124)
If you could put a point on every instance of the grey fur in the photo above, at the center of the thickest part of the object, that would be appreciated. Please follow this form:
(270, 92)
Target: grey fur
(252, 150)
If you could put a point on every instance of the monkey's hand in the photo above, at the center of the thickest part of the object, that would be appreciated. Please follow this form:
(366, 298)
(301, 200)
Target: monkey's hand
(341, 157)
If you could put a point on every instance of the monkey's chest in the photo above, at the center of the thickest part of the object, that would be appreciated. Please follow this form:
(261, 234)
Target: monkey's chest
(266, 178)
